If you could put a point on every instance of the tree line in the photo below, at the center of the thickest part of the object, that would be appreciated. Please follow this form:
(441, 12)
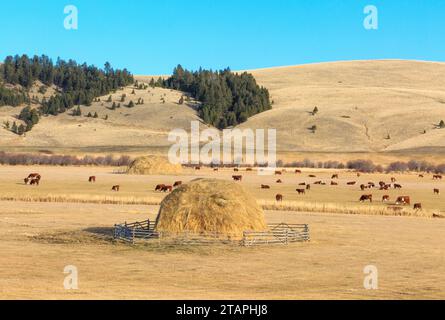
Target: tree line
(227, 98)
(77, 83)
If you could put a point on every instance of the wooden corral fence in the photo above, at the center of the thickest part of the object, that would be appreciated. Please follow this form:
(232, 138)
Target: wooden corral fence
(282, 233)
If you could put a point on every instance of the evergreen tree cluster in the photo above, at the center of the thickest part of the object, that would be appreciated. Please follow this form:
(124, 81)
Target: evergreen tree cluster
(227, 98)
(13, 98)
(79, 83)
(30, 117)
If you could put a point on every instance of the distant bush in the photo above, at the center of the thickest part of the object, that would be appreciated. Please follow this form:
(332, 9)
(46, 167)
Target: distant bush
(362, 165)
(61, 160)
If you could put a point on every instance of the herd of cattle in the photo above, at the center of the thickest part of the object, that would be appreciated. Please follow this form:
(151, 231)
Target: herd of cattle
(34, 179)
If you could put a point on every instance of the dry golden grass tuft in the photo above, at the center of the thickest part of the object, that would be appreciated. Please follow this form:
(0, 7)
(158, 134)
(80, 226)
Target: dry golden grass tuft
(301, 206)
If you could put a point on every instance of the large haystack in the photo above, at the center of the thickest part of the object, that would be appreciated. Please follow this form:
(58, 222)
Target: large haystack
(152, 164)
(210, 205)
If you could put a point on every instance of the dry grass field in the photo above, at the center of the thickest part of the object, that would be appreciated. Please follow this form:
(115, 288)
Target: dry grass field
(38, 239)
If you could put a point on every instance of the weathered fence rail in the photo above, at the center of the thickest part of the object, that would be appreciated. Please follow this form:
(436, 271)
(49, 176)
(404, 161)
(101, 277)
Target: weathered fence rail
(282, 233)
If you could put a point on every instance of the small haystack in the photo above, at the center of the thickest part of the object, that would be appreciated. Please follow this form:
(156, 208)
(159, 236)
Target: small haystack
(152, 164)
(208, 206)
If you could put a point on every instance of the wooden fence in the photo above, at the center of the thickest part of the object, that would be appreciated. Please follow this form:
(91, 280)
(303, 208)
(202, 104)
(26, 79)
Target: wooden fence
(282, 233)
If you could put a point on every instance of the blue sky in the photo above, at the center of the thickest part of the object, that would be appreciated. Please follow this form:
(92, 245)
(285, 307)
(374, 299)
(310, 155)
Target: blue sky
(151, 37)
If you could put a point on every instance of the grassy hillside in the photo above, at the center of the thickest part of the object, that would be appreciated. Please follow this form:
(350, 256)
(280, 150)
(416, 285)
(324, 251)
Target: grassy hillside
(364, 106)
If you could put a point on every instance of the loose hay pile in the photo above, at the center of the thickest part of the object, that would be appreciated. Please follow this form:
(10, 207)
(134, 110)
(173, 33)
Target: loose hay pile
(207, 206)
(152, 164)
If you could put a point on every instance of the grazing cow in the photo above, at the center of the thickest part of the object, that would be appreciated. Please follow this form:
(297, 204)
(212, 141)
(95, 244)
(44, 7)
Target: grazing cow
(363, 187)
(352, 183)
(405, 200)
(159, 187)
(308, 187)
(237, 178)
(278, 173)
(298, 171)
(265, 186)
(397, 186)
(366, 197)
(279, 197)
(92, 179)
(26, 180)
(279, 181)
(385, 198)
(318, 182)
(235, 169)
(177, 184)
(197, 168)
(312, 176)
(417, 206)
(34, 176)
(301, 191)
(34, 182)
(334, 183)
(249, 169)
(421, 176)
(393, 179)
(167, 188)
(436, 215)
(436, 191)
(371, 185)
(437, 177)
(115, 188)
(385, 187)
(302, 184)
(215, 169)
(358, 174)
(334, 176)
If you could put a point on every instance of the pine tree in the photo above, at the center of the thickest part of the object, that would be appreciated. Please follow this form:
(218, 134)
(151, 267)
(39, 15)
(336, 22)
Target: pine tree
(14, 127)
(110, 99)
(95, 115)
(315, 111)
(131, 104)
(442, 124)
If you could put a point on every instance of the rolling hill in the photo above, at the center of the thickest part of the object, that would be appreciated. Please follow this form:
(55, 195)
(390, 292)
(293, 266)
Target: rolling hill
(364, 106)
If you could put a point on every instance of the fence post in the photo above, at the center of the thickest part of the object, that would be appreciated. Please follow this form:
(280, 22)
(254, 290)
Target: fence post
(287, 236)
(133, 235)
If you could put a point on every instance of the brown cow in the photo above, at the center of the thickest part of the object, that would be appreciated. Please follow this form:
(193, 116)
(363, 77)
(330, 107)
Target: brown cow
(279, 197)
(371, 185)
(159, 187)
(302, 184)
(167, 188)
(397, 186)
(363, 187)
(265, 186)
(197, 168)
(235, 169)
(215, 169)
(249, 169)
(437, 177)
(421, 176)
(405, 200)
(334, 183)
(312, 176)
(115, 188)
(308, 187)
(301, 191)
(385, 198)
(279, 181)
(365, 197)
(417, 206)
(237, 178)
(92, 179)
(278, 172)
(436, 191)
(393, 179)
(334, 176)
(34, 182)
(177, 184)
(352, 183)
(298, 171)
(318, 182)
